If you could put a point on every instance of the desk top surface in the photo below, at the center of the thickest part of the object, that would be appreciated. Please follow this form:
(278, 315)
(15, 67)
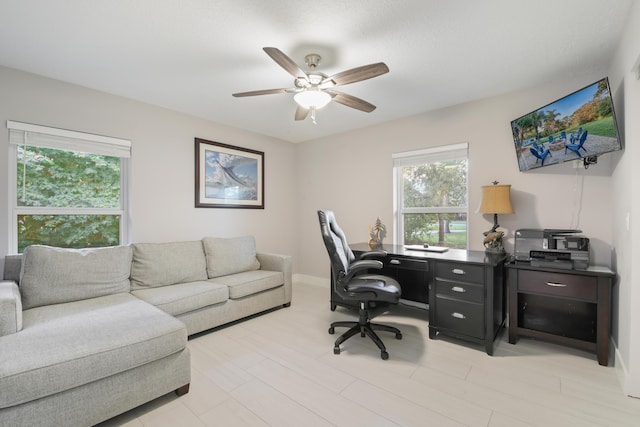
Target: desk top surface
(461, 255)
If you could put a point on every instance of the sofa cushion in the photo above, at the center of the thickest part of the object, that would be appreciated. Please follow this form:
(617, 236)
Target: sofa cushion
(184, 297)
(250, 282)
(12, 264)
(63, 346)
(56, 275)
(163, 264)
(229, 256)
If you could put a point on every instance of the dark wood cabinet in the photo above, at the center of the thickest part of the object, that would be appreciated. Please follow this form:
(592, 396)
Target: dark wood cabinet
(570, 307)
(467, 298)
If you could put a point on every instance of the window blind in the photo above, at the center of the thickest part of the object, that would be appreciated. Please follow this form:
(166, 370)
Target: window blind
(431, 155)
(62, 139)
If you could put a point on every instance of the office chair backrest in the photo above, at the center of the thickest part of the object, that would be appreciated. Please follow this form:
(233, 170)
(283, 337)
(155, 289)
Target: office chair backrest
(340, 254)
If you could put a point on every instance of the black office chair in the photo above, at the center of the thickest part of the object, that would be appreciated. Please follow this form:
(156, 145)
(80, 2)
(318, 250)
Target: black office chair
(372, 292)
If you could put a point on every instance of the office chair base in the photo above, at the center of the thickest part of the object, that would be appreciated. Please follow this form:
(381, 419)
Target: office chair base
(366, 329)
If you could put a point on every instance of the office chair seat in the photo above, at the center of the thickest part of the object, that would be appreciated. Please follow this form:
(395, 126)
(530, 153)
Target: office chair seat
(381, 288)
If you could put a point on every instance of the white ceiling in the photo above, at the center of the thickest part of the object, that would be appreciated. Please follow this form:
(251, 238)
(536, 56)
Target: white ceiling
(191, 55)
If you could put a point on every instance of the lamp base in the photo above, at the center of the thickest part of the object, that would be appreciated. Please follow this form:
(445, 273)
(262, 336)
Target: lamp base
(499, 250)
(493, 241)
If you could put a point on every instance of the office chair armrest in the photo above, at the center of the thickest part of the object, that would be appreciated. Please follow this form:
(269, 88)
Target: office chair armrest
(376, 253)
(358, 266)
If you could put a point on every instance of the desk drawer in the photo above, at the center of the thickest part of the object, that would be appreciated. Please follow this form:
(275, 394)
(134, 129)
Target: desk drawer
(410, 264)
(460, 272)
(558, 284)
(462, 291)
(465, 318)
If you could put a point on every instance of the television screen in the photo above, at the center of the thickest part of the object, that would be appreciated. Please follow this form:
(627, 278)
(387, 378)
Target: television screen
(581, 125)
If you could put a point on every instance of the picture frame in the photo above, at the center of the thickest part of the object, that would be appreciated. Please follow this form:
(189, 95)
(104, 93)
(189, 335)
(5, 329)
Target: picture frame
(227, 176)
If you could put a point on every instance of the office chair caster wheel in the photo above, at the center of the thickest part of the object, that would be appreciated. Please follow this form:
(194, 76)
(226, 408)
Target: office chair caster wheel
(399, 336)
(336, 350)
(332, 330)
(384, 355)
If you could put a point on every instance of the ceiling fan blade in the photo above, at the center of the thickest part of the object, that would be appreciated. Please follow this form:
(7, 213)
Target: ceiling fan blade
(301, 113)
(260, 92)
(351, 101)
(358, 74)
(285, 62)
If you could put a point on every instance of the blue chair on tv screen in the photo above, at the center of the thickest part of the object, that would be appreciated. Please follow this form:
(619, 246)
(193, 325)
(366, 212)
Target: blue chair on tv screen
(573, 137)
(540, 155)
(576, 147)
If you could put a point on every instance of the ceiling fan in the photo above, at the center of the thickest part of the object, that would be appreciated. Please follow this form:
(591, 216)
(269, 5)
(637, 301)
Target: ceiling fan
(313, 89)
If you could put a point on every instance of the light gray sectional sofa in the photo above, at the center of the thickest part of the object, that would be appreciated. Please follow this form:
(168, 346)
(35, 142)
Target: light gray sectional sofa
(88, 334)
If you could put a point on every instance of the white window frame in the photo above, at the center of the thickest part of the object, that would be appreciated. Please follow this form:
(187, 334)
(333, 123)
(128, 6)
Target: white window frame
(418, 157)
(62, 139)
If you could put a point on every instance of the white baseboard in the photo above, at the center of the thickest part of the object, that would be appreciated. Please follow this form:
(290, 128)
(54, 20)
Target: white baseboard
(312, 280)
(630, 385)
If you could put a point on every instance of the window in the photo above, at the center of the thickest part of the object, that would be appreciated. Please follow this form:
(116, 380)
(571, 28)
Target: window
(430, 197)
(67, 188)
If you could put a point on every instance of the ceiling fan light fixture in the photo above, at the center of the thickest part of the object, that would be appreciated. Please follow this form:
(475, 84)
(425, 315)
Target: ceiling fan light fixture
(312, 98)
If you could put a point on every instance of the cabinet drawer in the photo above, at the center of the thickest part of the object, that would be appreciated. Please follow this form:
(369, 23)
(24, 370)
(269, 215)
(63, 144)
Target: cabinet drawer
(461, 272)
(462, 291)
(410, 264)
(558, 284)
(461, 317)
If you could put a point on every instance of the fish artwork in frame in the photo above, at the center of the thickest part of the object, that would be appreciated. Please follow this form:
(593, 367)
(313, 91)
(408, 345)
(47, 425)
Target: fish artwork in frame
(228, 176)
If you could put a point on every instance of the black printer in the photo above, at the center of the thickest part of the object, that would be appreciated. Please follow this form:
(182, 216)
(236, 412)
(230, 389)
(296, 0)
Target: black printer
(555, 248)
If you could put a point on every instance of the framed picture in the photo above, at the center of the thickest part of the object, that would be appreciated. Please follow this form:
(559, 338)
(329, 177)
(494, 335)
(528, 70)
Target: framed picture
(228, 176)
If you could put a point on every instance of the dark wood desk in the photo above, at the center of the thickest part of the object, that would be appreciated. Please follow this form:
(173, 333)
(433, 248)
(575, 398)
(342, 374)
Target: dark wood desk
(463, 290)
(570, 307)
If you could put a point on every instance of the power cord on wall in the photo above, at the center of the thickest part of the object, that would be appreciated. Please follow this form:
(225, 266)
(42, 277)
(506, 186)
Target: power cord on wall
(578, 191)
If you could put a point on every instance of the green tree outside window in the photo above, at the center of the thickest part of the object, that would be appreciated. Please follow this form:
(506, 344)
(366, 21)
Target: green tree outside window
(51, 182)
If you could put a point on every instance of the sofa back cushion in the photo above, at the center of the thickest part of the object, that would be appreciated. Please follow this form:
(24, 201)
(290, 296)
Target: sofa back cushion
(52, 275)
(230, 256)
(163, 264)
(12, 266)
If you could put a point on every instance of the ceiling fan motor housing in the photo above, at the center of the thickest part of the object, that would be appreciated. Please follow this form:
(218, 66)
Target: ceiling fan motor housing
(312, 60)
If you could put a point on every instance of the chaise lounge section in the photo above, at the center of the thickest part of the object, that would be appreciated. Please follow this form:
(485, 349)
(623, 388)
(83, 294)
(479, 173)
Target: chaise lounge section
(88, 334)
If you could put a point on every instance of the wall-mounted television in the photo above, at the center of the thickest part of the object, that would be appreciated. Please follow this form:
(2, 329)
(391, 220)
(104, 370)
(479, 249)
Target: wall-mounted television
(578, 126)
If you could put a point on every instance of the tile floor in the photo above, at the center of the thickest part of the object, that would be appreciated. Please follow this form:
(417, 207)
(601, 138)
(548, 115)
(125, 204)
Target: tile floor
(279, 369)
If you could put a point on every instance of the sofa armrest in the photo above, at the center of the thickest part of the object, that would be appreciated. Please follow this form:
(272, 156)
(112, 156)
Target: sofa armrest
(276, 262)
(10, 308)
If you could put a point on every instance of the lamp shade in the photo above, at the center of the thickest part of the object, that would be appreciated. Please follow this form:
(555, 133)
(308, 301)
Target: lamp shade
(496, 199)
(312, 98)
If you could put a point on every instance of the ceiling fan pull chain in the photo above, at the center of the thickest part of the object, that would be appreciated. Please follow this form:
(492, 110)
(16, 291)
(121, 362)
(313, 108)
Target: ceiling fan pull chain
(313, 115)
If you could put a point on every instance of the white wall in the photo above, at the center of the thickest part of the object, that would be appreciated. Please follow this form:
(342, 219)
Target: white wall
(626, 325)
(162, 163)
(352, 174)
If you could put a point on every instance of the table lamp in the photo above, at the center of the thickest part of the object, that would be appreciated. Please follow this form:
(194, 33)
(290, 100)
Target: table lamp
(496, 199)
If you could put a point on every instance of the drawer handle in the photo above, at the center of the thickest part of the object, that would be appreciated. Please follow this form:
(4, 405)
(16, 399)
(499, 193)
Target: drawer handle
(556, 285)
(458, 271)
(394, 262)
(458, 289)
(458, 315)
